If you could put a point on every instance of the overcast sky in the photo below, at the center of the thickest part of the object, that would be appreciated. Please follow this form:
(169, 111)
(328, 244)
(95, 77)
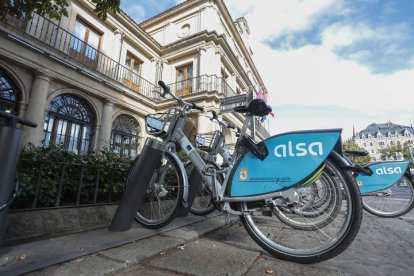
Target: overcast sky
(326, 63)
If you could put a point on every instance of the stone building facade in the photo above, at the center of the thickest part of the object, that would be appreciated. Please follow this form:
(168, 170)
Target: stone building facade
(378, 136)
(89, 83)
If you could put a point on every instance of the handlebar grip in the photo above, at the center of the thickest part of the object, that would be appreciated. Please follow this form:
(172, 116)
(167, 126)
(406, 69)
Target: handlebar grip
(19, 120)
(164, 87)
(197, 107)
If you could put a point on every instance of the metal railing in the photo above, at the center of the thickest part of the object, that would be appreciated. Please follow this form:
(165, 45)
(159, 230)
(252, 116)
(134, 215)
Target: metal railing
(52, 35)
(203, 83)
(47, 184)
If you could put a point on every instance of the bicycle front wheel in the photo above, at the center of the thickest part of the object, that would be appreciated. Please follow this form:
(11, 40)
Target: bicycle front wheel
(203, 203)
(392, 202)
(329, 235)
(163, 195)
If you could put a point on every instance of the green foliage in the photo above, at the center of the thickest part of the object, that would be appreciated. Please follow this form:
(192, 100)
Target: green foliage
(54, 9)
(390, 152)
(48, 168)
(350, 145)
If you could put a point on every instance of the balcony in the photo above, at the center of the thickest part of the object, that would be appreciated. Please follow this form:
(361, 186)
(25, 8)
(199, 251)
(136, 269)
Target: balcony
(51, 35)
(203, 83)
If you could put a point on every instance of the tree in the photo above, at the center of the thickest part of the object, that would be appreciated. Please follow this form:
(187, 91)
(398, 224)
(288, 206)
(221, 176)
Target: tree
(51, 8)
(390, 152)
(350, 145)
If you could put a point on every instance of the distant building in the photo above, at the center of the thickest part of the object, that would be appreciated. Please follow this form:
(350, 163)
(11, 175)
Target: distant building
(378, 136)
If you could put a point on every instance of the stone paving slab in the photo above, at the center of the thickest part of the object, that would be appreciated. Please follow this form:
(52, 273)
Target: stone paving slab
(134, 252)
(206, 257)
(266, 266)
(83, 266)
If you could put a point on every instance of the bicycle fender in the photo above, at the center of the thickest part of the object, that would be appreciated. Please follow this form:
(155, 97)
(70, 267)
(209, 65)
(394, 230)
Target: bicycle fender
(138, 178)
(293, 158)
(385, 174)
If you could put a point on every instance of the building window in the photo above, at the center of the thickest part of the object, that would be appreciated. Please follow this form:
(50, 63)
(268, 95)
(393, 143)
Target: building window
(184, 75)
(84, 44)
(69, 123)
(132, 74)
(125, 136)
(8, 94)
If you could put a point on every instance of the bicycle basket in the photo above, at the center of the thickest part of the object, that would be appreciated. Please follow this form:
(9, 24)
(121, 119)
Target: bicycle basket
(157, 124)
(207, 141)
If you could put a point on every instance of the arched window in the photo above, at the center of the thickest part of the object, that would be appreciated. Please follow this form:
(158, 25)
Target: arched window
(125, 136)
(8, 94)
(69, 123)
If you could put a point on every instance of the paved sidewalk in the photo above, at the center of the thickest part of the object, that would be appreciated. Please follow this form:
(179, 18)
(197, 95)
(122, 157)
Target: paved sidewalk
(28, 257)
(204, 246)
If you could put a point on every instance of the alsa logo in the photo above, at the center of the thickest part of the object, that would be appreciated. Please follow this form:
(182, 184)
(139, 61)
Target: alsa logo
(300, 149)
(385, 170)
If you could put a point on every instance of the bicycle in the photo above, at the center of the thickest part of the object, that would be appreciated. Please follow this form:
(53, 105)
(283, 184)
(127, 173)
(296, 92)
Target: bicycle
(387, 187)
(10, 136)
(247, 191)
(211, 145)
(317, 202)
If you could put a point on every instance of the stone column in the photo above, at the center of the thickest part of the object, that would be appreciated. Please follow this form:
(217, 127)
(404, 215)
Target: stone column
(203, 123)
(36, 108)
(106, 125)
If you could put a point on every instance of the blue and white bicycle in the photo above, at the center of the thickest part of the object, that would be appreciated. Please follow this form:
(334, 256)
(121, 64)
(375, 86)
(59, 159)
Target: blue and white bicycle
(387, 187)
(280, 173)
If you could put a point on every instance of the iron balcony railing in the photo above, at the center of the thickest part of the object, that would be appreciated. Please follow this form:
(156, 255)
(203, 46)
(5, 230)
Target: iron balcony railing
(47, 184)
(203, 83)
(52, 35)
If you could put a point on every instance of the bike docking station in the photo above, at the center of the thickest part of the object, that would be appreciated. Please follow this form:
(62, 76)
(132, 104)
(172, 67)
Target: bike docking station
(138, 178)
(10, 137)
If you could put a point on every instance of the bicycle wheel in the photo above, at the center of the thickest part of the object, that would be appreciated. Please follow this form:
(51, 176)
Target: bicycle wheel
(319, 203)
(203, 203)
(318, 242)
(162, 196)
(392, 202)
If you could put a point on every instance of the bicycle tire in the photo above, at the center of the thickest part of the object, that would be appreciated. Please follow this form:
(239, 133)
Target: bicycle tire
(166, 191)
(289, 243)
(393, 199)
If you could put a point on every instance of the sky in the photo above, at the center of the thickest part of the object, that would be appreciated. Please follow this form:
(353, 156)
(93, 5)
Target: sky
(326, 63)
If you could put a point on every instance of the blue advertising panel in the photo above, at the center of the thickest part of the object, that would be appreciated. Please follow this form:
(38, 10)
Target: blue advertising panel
(292, 158)
(385, 174)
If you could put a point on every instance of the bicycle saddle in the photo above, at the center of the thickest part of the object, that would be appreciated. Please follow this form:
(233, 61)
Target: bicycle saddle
(257, 107)
(356, 152)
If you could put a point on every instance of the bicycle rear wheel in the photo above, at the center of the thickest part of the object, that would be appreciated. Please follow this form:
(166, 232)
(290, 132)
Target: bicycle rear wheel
(319, 204)
(392, 202)
(163, 195)
(315, 243)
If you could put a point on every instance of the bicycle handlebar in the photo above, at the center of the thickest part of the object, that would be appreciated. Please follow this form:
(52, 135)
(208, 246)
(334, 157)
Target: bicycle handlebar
(216, 118)
(13, 119)
(167, 90)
